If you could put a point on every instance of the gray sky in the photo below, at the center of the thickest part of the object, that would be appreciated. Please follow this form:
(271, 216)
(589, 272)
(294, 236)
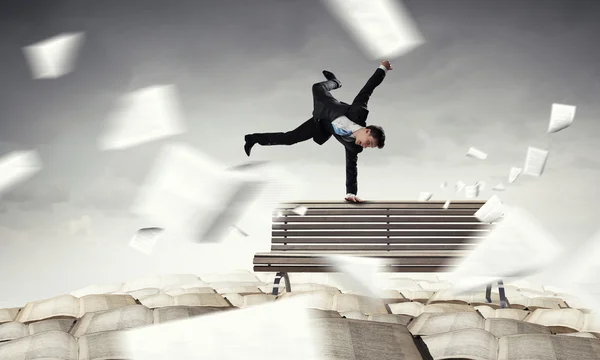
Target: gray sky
(486, 78)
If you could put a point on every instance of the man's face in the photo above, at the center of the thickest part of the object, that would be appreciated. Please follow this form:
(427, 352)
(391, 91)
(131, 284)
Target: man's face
(366, 140)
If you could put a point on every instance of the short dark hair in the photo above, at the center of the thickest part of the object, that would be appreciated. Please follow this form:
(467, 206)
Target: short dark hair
(378, 134)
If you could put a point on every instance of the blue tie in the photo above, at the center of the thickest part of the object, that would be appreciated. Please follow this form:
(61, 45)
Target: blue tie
(341, 132)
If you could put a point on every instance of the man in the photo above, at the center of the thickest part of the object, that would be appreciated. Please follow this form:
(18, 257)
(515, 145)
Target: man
(346, 122)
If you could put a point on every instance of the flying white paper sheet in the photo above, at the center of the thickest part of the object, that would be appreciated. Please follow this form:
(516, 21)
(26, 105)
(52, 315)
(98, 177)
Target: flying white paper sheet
(535, 162)
(17, 167)
(561, 117)
(300, 210)
(516, 246)
(54, 57)
(514, 174)
(459, 186)
(471, 191)
(253, 333)
(425, 196)
(187, 192)
(145, 239)
(480, 185)
(476, 154)
(142, 116)
(358, 274)
(444, 185)
(499, 187)
(491, 210)
(446, 204)
(383, 28)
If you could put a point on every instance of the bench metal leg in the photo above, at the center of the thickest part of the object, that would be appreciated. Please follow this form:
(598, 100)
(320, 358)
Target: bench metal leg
(286, 278)
(488, 294)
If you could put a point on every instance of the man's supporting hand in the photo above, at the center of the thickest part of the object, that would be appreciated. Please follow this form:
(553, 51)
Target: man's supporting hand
(386, 64)
(353, 198)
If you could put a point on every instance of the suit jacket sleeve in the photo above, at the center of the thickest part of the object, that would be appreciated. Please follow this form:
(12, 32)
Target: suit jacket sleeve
(351, 172)
(365, 93)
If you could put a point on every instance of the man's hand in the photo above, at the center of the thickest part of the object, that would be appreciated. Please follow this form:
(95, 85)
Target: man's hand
(387, 64)
(353, 198)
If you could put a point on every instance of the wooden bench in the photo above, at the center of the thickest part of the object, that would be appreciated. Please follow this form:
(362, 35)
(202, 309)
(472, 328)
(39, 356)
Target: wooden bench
(405, 236)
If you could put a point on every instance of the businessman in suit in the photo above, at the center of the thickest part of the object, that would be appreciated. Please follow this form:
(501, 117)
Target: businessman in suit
(331, 117)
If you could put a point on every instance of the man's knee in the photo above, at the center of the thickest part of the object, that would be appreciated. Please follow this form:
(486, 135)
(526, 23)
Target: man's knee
(318, 88)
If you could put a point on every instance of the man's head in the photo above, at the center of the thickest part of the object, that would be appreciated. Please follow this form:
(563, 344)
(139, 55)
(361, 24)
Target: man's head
(370, 136)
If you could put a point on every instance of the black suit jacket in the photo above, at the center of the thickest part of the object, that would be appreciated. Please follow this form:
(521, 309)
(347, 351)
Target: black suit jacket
(356, 112)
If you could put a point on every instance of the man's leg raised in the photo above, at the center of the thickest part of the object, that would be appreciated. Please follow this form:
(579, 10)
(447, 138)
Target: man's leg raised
(301, 133)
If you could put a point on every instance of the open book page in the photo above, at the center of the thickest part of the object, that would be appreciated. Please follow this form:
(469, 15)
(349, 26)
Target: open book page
(417, 295)
(535, 162)
(435, 323)
(160, 281)
(197, 283)
(200, 300)
(354, 315)
(472, 344)
(581, 334)
(447, 308)
(48, 345)
(391, 318)
(97, 289)
(194, 290)
(235, 287)
(91, 303)
(320, 314)
(7, 315)
(256, 332)
(106, 345)
(491, 210)
(171, 313)
(547, 346)
(591, 323)
(63, 305)
(412, 308)
(358, 339)
(502, 327)
(364, 304)
(244, 300)
(319, 299)
(127, 317)
(559, 321)
(157, 301)
(13, 330)
(489, 312)
(51, 325)
(142, 293)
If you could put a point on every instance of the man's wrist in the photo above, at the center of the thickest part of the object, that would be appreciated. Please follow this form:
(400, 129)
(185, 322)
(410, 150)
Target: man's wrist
(383, 68)
(348, 195)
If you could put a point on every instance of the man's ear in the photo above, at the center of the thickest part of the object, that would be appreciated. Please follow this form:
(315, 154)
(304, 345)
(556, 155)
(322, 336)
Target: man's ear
(367, 131)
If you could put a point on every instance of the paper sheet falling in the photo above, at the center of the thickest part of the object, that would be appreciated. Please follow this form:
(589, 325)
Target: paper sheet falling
(17, 167)
(476, 153)
(459, 186)
(514, 174)
(535, 162)
(471, 191)
(145, 239)
(561, 117)
(382, 28)
(499, 187)
(491, 210)
(54, 57)
(425, 196)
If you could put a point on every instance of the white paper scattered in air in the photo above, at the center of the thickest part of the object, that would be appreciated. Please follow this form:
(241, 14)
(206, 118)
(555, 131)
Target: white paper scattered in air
(358, 274)
(514, 174)
(518, 245)
(384, 29)
(186, 191)
(471, 191)
(499, 187)
(253, 333)
(17, 167)
(446, 204)
(425, 196)
(535, 162)
(145, 240)
(459, 186)
(54, 57)
(476, 154)
(142, 116)
(480, 185)
(561, 117)
(491, 210)
(444, 185)
(300, 210)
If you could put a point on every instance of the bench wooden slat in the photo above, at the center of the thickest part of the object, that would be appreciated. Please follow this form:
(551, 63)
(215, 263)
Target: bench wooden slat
(373, 212)
(380, 205)
(445, 233)
(372, 247)
(397, 226)
(330, 269)
(377, 240)
(422, 260)
(381, 219)
(387, 255)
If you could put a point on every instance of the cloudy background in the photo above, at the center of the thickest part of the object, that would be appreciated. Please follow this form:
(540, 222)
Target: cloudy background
(486, 77)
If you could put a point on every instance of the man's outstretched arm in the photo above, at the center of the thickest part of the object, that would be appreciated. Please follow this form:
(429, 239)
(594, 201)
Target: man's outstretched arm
(374, 81)
(351, 176)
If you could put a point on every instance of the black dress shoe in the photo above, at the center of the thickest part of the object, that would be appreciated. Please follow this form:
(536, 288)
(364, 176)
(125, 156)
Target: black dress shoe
(250, 142)
(330, 76)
